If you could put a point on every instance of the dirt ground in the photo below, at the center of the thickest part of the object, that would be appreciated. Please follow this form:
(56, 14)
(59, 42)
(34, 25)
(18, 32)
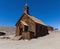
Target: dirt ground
(51, 41)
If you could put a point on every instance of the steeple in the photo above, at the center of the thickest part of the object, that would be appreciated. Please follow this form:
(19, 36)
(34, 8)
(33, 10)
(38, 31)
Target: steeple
(26, 9)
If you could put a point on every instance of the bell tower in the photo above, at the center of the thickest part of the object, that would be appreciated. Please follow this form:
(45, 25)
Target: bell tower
(26, 9)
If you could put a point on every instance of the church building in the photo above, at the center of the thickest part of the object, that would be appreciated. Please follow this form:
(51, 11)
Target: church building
(28, 27)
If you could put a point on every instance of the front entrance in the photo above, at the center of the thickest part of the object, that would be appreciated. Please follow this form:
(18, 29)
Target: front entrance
(24, 32)
(25, 29)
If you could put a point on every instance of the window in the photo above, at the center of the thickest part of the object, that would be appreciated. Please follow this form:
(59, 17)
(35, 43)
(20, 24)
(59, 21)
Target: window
(26, 28)
(30, 27)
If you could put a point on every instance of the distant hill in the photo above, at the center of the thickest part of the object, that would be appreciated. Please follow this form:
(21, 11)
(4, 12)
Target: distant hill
(9, 30)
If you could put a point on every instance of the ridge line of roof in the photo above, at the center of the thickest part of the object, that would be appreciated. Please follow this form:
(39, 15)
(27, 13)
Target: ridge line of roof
(36, 19)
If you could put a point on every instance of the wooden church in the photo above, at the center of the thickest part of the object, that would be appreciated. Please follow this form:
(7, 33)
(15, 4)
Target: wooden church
(28, 27)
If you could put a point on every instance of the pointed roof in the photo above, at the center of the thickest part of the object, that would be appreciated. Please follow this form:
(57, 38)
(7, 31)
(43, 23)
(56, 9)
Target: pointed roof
(26, 11)
(36, 20)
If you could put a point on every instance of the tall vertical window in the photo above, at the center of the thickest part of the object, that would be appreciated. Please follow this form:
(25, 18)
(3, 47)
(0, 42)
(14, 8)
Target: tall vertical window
(30, 27)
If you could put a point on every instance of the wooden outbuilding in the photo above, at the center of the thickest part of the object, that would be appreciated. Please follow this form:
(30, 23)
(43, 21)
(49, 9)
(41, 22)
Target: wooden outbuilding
(29, 27)
(50, 28)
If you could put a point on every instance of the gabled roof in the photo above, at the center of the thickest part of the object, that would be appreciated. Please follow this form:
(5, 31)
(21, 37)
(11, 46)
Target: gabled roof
(36, 20)
(26, 11)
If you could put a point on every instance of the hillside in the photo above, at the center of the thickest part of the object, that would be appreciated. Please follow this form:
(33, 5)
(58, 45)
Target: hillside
(9, 30)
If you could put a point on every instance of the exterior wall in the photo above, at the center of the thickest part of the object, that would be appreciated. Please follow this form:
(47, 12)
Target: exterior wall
(29, 21)
(17, 30)
(18, 27)
(41, 30)
(34, 29)
(33, 25)
(26, 35)
(32, 35)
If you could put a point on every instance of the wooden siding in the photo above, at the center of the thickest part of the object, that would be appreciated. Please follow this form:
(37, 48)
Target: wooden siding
(29, 22)
(41, 30)
(34, 29)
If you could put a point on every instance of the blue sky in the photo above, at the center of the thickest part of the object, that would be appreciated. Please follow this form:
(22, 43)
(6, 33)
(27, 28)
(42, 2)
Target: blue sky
(46, 10)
